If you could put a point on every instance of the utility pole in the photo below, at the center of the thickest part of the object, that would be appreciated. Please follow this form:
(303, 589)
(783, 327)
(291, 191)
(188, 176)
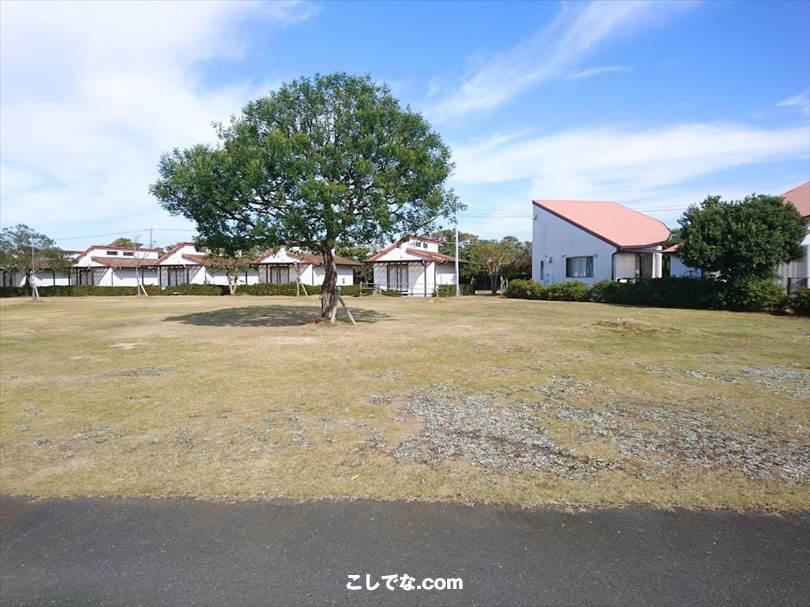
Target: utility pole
(458, 287)
(151, 245)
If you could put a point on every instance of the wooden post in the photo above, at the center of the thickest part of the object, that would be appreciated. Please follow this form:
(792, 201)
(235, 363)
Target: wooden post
(345, 307)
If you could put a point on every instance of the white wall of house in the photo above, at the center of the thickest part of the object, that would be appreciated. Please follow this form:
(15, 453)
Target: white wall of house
(421, 278)
(554, 239)
(678, 269)
(445, 274)
(310, 274)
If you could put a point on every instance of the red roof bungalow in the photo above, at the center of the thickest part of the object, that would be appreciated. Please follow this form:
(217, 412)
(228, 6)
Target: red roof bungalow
(413, 266)
(593, 240)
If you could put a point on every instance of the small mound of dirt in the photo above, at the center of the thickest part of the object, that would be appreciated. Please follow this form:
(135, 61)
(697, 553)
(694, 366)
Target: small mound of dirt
(143, 372)
(628, 325)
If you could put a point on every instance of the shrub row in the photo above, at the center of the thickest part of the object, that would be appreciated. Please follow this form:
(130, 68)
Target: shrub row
(698, 293)
(183, 289)
(450, 290)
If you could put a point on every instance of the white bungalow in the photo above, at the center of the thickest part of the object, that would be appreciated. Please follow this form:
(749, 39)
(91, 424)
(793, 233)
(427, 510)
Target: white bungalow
(288, 266)
(413, 266)
(589, 241)
(184, 264)
(106, 266)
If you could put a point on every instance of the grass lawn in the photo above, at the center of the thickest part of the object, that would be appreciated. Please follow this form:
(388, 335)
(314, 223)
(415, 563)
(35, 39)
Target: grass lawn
(480, 399)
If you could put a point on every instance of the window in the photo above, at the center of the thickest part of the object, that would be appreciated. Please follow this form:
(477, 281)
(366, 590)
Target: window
(279, 275)
(129, 254)
(579, 267)
(112, 252)
(398, 277)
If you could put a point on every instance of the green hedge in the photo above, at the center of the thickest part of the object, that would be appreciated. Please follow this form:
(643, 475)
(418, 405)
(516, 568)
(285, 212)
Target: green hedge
(524, 289)
(355, 290)
(391, 293)
(450, 290)
(699, 293)
(800, 302)
(274, 289)
(757, 295)
(13, 291)
(189, 289)
(568, 291)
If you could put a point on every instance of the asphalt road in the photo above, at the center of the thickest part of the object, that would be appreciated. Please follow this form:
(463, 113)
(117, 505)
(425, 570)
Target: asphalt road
(183, 552)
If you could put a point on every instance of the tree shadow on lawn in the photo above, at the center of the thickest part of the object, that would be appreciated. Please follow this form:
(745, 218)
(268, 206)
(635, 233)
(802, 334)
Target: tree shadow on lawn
(270, 316)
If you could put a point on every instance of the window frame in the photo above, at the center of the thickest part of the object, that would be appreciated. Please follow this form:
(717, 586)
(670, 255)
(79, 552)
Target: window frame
(572, 272)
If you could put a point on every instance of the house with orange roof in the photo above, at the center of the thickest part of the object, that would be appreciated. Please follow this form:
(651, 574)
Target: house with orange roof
(593, 240)
(413, 266)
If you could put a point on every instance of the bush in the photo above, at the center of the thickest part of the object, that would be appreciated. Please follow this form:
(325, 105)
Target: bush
(597, 291)
(450, 290)
(701, 293)
(568, 291)
(800, 302)
(264, 288)
(391, 293)
(753, 295)
(13, 291)
(524, 289)
(189, 289)
(355, 290)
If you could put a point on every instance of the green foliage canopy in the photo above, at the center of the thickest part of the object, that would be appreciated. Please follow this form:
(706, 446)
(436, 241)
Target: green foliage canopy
(17, 244)
(320, 161)
(741, 240)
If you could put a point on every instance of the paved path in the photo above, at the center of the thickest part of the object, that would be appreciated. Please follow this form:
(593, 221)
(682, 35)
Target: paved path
(182, 552)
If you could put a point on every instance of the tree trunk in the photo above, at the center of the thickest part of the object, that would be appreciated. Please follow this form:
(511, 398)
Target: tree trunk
(232, 282)
(493, 282)
(329, 295)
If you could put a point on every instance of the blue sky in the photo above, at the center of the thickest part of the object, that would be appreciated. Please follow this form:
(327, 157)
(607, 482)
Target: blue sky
(653, 105)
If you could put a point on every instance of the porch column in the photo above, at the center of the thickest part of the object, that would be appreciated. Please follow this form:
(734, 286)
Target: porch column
(657, 264)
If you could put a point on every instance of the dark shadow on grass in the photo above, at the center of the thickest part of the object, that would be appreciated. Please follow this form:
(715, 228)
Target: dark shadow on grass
(271, 316)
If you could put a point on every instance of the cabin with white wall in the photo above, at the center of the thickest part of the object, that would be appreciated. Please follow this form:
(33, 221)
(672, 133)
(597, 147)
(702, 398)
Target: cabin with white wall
(184, 264)
(413, 266)
(107, 266)
(284, 266)
(589, 241)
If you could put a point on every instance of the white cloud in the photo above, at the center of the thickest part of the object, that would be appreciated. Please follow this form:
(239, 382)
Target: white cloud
(92, 93)
(800, 101)
(598, 71)
(652, 168)
(576, 32)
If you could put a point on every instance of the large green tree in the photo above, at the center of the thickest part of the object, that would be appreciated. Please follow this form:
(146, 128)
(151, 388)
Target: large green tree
(23, 249)
(320, 161)
(741, 240)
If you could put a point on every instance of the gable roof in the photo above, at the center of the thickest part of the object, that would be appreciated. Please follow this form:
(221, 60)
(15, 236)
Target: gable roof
(176, 248)
(799, 197)
(610, 221)
(431, 255)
